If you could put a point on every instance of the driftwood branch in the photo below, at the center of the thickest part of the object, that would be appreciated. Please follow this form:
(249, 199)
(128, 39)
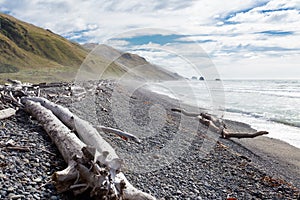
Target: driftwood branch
(217, 125)
(243, 135)
(120, 133)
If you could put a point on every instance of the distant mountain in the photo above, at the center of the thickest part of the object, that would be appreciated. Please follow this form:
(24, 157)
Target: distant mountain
(89, 46)
(120, 63)
(30, 53)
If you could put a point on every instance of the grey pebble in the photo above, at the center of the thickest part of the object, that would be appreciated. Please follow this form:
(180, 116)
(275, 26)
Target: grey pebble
(10, 189)
(36, 196)
(17, 196)
(54, 198)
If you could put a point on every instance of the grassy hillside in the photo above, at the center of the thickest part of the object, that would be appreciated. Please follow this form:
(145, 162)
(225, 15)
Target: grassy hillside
(25, 48)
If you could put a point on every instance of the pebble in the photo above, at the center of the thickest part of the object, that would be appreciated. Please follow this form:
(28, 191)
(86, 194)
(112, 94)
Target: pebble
(17, 196)
(39, 179)
(36, 196)
(53, 198)
(10, 189)
(3, 176)
(178, 192)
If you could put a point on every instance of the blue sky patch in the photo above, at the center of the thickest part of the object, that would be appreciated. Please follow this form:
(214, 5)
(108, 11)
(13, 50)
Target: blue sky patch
(226, 18)
(276, 32)
(277, 10)
(156, 39)
(5, 11)
(162, 39)
(78, 36)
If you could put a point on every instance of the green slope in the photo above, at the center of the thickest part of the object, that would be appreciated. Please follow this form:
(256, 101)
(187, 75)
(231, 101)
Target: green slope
(31, 50)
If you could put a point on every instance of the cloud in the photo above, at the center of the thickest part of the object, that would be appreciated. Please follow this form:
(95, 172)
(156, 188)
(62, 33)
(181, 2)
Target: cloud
(232, 32)
(275, 11)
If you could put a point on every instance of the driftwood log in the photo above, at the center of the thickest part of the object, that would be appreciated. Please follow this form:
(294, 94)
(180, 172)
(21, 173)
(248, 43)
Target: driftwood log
(92, 163)
(217, 125)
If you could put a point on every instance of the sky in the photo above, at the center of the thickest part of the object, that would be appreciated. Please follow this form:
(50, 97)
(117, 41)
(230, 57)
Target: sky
(240, 39)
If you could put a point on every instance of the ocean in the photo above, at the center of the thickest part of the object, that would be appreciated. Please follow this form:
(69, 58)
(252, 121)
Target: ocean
(271, 105)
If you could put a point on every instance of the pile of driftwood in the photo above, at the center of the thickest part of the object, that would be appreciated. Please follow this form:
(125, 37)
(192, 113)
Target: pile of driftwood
(93, 164)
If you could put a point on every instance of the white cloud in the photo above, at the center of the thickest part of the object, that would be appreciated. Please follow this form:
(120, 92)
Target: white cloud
(275, 11)
(233, 26)
(261, 67)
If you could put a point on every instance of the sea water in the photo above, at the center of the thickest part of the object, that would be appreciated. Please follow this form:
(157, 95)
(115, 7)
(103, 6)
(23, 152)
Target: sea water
(271, 105)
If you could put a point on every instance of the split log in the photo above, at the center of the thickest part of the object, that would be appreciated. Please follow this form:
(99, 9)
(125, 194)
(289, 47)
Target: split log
(217, 125)
(70, 147)
(6, 113)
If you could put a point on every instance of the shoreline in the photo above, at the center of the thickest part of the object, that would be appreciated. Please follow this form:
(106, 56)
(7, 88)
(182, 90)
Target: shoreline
(273, 133)
(274, 128)
(282, 158)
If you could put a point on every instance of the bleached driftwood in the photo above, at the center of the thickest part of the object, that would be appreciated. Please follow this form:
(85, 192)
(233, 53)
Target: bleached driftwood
(6, 113)
(217, 125)
(103, 154)
(87, 133)
(66, 141)
(120, 133)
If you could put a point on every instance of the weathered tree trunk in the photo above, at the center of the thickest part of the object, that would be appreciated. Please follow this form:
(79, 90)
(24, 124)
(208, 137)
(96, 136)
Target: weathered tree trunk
(71, 146)
(218, 126)
(68, 144)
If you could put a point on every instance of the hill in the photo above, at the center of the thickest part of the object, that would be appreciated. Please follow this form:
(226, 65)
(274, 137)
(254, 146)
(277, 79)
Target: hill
(28, 48)
(116, 64)
(31, 53)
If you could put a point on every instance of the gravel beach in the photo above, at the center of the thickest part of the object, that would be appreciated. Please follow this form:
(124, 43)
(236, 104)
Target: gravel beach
(178, 158)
